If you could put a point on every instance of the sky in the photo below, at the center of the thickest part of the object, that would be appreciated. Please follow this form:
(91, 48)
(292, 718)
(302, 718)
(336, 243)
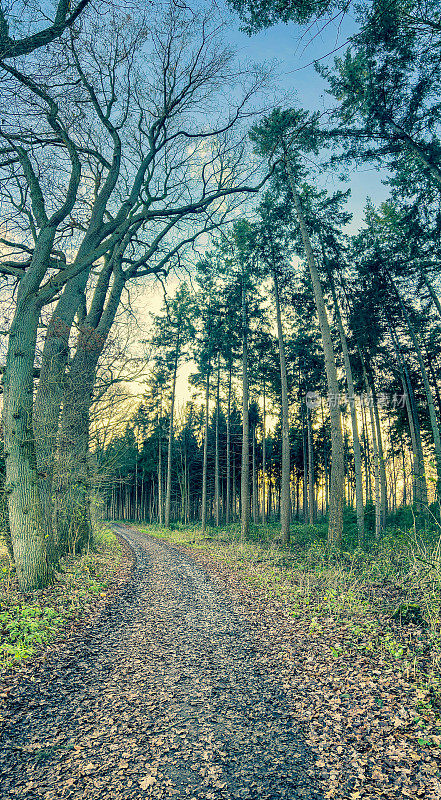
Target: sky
(293, 49)
(290, 50)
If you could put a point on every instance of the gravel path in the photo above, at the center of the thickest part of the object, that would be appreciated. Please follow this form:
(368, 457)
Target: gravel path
(164, 696)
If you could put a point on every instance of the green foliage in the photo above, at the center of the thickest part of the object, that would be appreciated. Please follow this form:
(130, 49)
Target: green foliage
(409, 613)
(27, 626)
(287, 133)
(258, 14)
(23, 627)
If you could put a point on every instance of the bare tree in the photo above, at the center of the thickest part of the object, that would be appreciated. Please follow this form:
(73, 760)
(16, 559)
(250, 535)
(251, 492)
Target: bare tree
(64, 15)
(142, 175)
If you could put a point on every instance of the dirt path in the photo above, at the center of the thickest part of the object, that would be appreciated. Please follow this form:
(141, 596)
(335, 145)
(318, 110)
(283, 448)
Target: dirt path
(165, 696)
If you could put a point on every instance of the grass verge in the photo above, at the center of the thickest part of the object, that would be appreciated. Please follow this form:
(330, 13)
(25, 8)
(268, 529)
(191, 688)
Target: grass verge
(29, 622)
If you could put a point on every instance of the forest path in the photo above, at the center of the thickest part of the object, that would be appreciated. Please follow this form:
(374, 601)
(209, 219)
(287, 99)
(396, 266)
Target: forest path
(165, 696)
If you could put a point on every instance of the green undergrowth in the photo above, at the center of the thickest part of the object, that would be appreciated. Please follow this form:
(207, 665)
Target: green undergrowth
(386, 598)
(28, 622)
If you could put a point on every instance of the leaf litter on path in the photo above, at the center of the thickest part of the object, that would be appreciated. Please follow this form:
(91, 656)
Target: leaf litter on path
(170, 693)
(359, 713)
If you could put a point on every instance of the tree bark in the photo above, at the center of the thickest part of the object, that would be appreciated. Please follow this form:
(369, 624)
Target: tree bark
(335, 527)
(355, 436)
(30, 528)
(228, 501)
(285, 500)
(160, 501)
(264, 457)
(170, 436)
(429, 396)
(216, 454)
(305, 466)
(431, 290)
(74, 524)
(381, 459)
(420, 485)
(255, 504)
(74, 518)
(310, 468)
(205, 457)
(245, 467)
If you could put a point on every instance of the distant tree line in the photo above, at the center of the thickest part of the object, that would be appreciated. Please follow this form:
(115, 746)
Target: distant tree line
(119, 150)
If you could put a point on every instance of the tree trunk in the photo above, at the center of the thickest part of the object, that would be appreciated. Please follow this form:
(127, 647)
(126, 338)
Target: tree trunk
(432, 292)
(404, 497)
(378, 526)
(429, 396)
(381, 460)
(264, 457)
(255, 505)
(285, 501)
(310, 468)
(305, 467)
(74, 522)
(325, 459)
(367, 471)
(29, 526)
(205, 461)
(393, 470)
(216, 454)
(50, 390)
(429, 357)
(354, 423)
(245, 467)
(170, 437)
(420, 485)
(228, 500)
(160, 501)
(335, 528)
(74, 517)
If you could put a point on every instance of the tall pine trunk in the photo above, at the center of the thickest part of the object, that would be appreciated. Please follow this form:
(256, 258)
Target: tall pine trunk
(285, 500)
(420, 485)
(255, 499)
(381, 459)
(216, 454)
(205, 457)
(264, 457)
(245, 467)
(310, 467)
(305, 466)
(228, 500)
(427, 388)
(336, 501)
(354, 423)
(170, 437)
(160, 500)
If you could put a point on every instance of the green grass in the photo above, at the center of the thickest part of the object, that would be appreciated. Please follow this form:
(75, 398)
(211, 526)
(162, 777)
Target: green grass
(28, 623)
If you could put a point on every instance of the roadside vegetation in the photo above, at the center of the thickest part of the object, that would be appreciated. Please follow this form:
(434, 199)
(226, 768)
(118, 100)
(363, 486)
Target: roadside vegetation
(28, 622)
(383, 602)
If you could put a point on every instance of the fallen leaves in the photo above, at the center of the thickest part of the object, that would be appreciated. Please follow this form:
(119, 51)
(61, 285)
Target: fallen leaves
(150, 780)
(357, 709)
(210, 690)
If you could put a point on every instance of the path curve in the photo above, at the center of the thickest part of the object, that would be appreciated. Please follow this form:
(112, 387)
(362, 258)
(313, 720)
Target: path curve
(165, 696)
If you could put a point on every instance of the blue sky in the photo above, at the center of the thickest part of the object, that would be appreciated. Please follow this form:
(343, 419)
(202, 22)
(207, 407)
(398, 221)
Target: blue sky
(292, 49)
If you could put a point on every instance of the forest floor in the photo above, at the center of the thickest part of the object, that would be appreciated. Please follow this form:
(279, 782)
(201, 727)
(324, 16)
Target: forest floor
(169, 693)
(221, 670)
(29, 623)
